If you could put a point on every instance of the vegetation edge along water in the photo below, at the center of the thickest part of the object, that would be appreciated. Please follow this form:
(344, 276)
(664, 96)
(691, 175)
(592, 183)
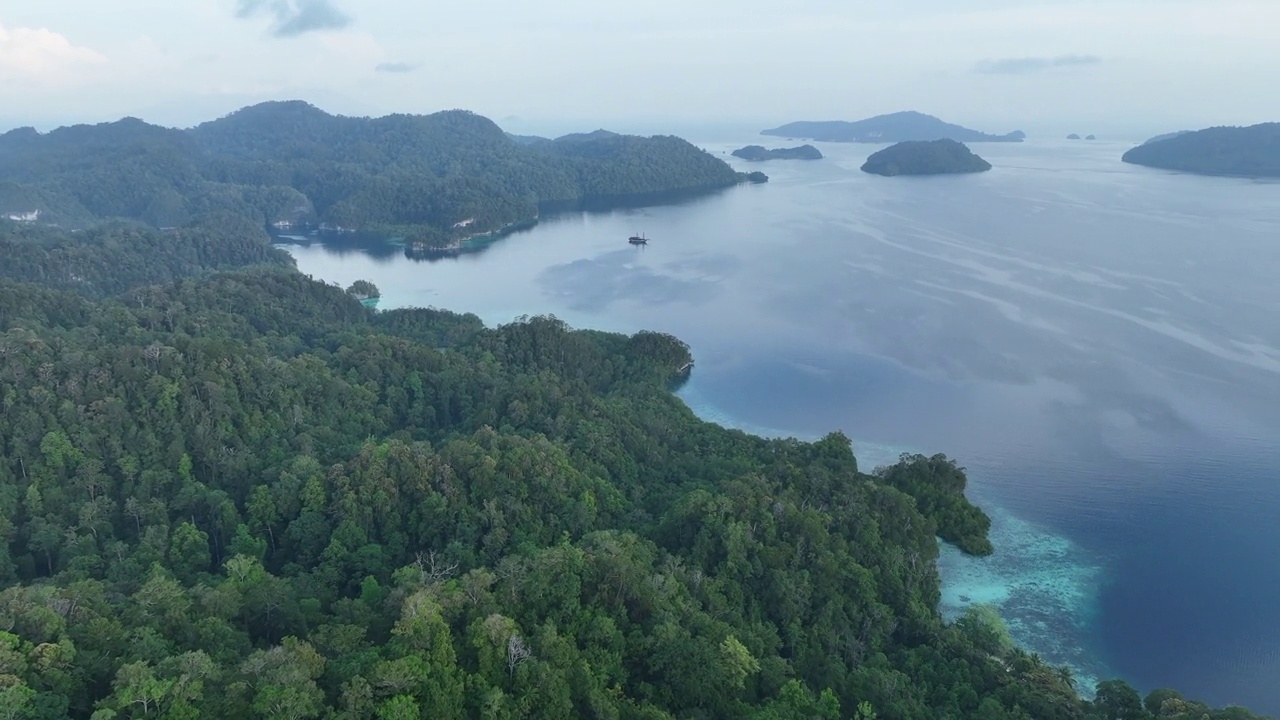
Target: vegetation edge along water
(229, 490)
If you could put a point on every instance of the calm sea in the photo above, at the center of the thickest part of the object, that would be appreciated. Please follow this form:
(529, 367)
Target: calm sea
(1097, 343)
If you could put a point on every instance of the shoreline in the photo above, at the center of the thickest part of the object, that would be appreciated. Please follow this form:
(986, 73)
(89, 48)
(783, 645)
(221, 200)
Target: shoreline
(395, 235)
(1042, 584)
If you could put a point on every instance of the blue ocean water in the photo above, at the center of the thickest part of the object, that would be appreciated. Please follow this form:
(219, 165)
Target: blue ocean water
(1097, 343)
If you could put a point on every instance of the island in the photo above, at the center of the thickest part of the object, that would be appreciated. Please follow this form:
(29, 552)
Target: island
(756, 153)
(891, 128)
(438, 180)
(1090, 137)
(1252, 151)
(1073, 136)
(756, 177)
(925, 157)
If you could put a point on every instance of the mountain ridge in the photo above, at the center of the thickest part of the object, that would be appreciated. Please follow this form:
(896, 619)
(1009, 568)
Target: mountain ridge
(888, 128)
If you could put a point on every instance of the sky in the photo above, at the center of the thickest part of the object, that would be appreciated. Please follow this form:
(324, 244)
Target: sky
(997, 65)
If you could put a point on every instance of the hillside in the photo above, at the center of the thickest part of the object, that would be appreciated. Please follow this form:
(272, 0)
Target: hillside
(291, 162)
(937, 157)
(115, 257)
(891, 128)
(1243, 151)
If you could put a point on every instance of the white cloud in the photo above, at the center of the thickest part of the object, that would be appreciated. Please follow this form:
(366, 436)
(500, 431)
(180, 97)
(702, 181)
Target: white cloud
(42, 57)
(1175, 63)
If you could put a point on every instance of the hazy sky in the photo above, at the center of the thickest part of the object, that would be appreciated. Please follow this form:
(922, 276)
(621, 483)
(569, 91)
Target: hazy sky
(997, 64)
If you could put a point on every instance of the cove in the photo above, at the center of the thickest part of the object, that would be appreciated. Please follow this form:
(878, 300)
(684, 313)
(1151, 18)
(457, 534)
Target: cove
(1094, 342)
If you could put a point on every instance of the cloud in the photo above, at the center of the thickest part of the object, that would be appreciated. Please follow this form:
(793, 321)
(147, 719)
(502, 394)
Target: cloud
(42, 56)
(395, 67)
(292, 18)
(1018, 66)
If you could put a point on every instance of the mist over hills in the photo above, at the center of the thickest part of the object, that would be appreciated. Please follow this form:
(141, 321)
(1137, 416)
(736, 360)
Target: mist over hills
(891, 128)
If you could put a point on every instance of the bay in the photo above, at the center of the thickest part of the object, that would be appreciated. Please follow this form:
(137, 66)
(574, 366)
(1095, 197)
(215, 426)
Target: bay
(1096, 342)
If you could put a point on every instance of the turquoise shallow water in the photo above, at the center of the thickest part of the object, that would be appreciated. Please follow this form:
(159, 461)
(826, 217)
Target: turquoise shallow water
(1095, 342)
(1044, 585)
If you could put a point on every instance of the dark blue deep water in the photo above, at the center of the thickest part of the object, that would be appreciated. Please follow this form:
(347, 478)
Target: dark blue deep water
(1097, 343)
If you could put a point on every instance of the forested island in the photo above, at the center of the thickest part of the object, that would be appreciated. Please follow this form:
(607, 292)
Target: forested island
(891, 128)
(758, 152)
(919, 157)
(231, 491)
(1240, 151)
(433, 179)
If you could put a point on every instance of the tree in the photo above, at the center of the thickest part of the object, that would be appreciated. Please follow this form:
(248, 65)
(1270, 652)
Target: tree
(985, 630)
(363, 290)
(400, 707)
(282, 681)
(1117, 700)
(189, 551)
(15, 699)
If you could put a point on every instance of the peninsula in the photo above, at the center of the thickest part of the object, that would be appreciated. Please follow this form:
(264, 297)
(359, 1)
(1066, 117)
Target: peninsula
(1238, 151)
(232, 488)
(925, 157)
(894, 127)
(756, 152)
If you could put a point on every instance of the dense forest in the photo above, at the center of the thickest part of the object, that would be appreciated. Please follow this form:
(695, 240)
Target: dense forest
(920, 157)
(112, 258)
(894, 127)
(1245, 151)
(436, 177)
(229, 490)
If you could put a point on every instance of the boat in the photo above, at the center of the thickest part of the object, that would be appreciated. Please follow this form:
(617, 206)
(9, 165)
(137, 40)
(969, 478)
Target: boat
(638, 240)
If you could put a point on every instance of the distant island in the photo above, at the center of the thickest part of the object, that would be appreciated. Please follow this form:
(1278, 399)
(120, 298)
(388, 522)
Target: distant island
(895, 127)
(756, 152)
(440, 181)
(1238, 151)
(1090, 137)
(1073, 136)
(925, 157)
